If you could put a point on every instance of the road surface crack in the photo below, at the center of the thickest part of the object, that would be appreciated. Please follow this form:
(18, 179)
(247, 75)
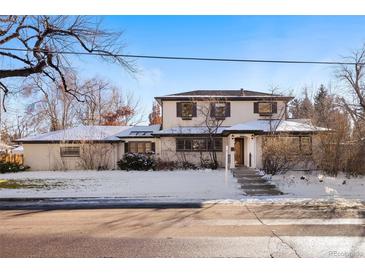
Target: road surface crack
(273, 233)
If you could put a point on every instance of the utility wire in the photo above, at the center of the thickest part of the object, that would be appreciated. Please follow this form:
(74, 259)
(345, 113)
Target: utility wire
(191, 58)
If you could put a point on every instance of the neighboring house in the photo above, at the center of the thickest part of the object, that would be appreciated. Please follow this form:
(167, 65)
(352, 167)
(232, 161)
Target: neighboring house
(193, 124)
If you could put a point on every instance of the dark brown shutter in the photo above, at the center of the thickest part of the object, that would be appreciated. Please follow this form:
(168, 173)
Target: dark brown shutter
(194, 109)
(256, 107)
(178, 109)
(212, 109)
(153, 147)
(274, 107)
(126, 148)
(228, 109)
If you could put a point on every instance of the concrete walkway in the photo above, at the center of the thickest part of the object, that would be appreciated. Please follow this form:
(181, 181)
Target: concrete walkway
(253, 184)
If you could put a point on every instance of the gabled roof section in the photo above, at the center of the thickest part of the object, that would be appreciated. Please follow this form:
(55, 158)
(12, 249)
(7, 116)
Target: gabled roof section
(239, 94)
(78, 134)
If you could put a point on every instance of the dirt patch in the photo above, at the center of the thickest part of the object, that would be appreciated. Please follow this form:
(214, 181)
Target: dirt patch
(29, 184)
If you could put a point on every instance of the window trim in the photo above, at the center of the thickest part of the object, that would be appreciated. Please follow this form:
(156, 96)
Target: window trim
(136, 143)
(265, 112)
(190, 116)
(192, 139)
(65, 154)
(309, 143)
(223, 106)
(226, 106)
(273, 108)
(300, 150)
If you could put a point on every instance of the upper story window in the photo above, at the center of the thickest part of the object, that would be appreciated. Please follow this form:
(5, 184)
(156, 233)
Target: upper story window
(186, 110)
(265, 108)
(220, 110)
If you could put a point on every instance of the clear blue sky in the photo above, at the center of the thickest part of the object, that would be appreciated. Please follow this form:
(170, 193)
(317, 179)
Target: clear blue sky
(271, 37)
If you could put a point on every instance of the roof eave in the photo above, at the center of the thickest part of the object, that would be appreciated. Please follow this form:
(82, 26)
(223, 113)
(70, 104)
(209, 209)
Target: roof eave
(231, 98)
(63, 141)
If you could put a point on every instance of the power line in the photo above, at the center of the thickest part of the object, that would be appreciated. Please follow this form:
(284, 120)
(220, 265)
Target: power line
(182, 58)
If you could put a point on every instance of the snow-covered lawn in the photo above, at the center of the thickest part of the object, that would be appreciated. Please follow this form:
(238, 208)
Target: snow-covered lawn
(315, 185)
(173, 186)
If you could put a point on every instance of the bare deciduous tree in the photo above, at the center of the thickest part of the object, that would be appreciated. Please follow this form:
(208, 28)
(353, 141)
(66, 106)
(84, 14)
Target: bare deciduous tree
(155, 116)
(43, 44)
(212, 122)
(107, 105)
(52, 109)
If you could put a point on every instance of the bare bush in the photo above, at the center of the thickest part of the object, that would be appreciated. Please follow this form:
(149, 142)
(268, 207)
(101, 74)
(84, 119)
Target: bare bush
(279, 154)
(95, 155)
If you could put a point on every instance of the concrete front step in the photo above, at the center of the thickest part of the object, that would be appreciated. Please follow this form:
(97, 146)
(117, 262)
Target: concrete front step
(253, 184)
(251, 181)
(247, 171)
(260, 192)
(258, 186)
(247, 175)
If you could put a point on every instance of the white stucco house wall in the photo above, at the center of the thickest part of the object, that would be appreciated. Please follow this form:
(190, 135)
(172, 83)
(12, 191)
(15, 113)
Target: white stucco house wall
(231, 122)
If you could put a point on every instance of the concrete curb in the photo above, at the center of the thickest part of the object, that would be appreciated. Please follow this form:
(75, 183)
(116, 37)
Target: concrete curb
(87, 203)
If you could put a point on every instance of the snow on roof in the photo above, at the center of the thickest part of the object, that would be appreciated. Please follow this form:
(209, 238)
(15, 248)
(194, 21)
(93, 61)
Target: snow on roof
(18, 150)
(80, 133)
(277, 126)
(188, 130)
(139, 131)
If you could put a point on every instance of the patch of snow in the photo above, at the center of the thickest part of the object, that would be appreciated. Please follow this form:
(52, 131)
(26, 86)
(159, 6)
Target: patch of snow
(18, 150)
(205, 186)
(173, 186)
(276, 125)
(319, 186)
(188, 130)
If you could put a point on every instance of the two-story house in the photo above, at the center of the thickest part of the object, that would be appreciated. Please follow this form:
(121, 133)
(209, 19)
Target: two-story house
(232, 123)
(238, 119)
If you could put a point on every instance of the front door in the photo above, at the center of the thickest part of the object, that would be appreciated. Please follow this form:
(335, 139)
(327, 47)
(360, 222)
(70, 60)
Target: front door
(239, 145)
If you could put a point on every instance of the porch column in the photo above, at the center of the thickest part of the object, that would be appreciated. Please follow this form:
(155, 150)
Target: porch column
(231, 151)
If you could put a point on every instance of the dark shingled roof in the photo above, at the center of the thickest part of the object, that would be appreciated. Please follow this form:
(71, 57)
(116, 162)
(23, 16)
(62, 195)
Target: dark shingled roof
(238, 93)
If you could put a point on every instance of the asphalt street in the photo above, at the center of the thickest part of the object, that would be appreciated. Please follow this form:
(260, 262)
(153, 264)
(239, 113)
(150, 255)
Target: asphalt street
(212, 230)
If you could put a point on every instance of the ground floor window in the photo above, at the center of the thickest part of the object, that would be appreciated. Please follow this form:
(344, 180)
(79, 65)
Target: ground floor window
(297, 144)
(70, 151)
(306, 145)
(140, 147)
(199, 144)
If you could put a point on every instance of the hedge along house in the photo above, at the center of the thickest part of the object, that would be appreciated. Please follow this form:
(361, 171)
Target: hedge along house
(195, 124)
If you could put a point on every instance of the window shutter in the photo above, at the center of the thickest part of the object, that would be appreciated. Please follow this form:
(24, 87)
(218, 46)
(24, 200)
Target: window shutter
(126, 148)
(274, 107)
(178, 109)
(256, 107)
(194, 110)
(153, 147)
(212, 109)
(228, 109)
